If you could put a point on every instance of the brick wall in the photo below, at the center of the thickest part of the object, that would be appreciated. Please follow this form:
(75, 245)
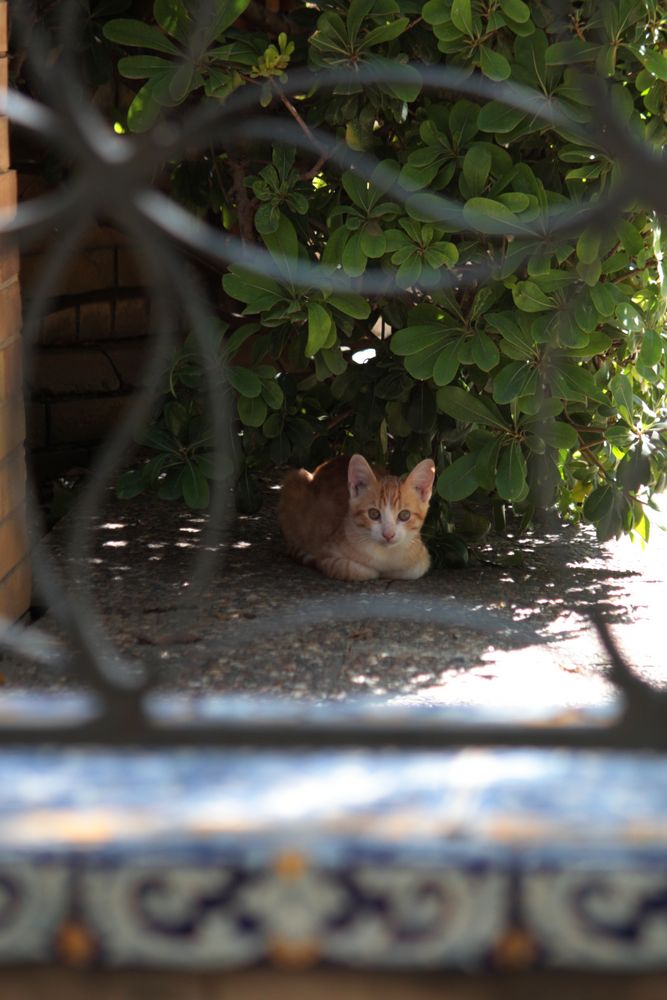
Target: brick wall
(15, 582)
(91, 348)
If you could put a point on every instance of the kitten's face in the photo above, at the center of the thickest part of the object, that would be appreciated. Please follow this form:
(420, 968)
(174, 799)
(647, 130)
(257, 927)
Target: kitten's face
(391, 511)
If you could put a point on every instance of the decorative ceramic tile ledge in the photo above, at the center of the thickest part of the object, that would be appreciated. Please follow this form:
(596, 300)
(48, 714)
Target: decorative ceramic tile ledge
(220, 860)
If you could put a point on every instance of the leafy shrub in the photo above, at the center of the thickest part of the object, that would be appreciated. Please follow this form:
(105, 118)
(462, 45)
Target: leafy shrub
(526, 357)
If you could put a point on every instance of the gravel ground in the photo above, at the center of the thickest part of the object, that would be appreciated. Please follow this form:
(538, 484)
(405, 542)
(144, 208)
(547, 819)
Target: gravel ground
(511, 629)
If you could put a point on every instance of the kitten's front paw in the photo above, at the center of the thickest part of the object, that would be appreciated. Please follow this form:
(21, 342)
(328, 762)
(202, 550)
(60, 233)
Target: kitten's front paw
(415, 569)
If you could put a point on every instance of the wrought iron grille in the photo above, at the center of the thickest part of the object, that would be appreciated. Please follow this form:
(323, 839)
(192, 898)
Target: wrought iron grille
(110, 178)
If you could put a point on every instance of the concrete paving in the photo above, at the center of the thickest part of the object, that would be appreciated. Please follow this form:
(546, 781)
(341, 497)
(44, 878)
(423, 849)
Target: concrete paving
(513, 629)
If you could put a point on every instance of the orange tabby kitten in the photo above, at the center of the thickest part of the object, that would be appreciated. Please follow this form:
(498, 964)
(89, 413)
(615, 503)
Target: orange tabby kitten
(354, 523)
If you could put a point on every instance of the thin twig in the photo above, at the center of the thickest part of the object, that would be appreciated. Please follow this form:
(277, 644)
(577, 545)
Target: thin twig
(297, 117)
(315, 169)
(587, 448)
(243, 206)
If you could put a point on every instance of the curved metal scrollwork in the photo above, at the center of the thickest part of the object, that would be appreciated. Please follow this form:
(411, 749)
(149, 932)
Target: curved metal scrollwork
(110, 178)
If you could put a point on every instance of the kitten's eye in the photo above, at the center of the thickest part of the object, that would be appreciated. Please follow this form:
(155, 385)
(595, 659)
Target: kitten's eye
(404, 515)
(374, 513)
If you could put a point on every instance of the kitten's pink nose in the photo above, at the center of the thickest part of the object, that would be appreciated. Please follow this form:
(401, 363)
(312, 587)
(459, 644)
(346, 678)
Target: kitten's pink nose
(388, 534)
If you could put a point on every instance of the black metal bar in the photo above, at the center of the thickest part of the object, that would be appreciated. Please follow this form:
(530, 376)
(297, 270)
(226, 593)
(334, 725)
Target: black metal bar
(111, 178)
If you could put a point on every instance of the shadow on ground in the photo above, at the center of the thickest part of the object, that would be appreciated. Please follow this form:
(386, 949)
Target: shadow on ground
(265, 625)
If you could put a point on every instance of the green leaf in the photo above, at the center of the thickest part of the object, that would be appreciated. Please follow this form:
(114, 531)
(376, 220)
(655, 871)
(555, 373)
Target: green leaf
(488, 216)
(145, 108)
(430, 208)
(621, 390)
(372, 240)
(517, 342)
(566, 333)
(384, 33)
(629, 317)
(131, 484)
(215, 467)
(273, 426)
(635, 469)
(358, 11)
(447, 364)
(141, 67)
(514, 380)
(588, 246)
(529, 297)
(574, 383)
(476, 168)
(283, 245)
(248, 287)
(599, 503)
(590, 273)
(170, 487)
(604, 299)
(176, 418)
(244, 381)
(487, 461)
(570, 52)
(642, 524)
(350, 304)
(467, 408)
(458, 480)
(516, 201)
(356, 189)
(251, 411)
(485, 354)
(194, 485)
(173, 18)
(410, 84)
(654, 61)
(461, 15)
(413, 176)
(319, 327)
(182, 82)
(494, 64)
(155, 437)
(557, 434)
(630, 237)
(421, 364)
(501, 118)
(651, 349)
(226, 12)
(334, 359)
(517, 10)
(126, 31)
(441, 254)
(450, 551)
(409, 272)
(436, 11)
(511, 473)
(413, 339)
(267, 219)
(272, 394)
(333, 249)
(354, 259)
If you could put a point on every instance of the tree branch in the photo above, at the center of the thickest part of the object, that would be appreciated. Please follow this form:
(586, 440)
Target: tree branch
(315, 169)
(295, 114)
(244, 209)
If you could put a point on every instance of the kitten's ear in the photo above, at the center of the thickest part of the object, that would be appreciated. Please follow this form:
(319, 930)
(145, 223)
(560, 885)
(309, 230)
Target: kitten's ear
(421, 479)
(359, 475)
